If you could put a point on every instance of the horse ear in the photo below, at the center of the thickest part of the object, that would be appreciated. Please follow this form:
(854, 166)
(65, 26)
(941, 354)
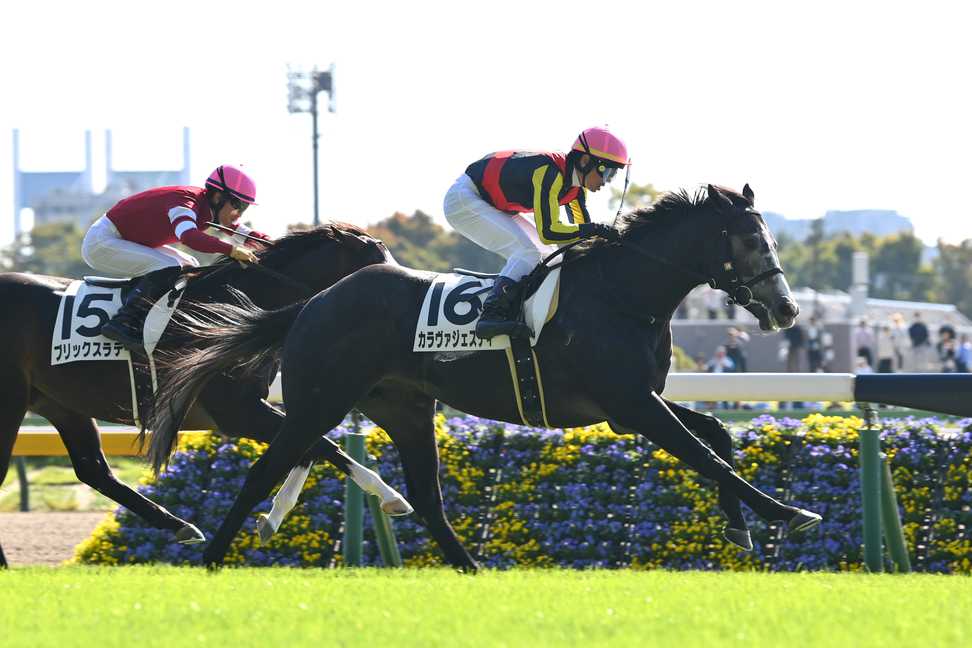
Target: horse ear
(720, 199)
(749, 195)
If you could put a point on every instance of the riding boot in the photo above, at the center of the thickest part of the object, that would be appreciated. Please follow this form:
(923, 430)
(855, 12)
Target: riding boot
(126, 326)
(500, 311)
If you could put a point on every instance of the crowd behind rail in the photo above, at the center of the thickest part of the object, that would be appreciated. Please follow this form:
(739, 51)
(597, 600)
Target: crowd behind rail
(882, 342)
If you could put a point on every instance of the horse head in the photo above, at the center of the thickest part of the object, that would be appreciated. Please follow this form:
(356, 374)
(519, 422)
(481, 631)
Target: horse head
(749, 270)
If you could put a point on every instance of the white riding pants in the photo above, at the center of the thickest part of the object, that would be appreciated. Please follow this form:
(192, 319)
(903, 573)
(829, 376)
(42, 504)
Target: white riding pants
(512, 236)
(105, 250)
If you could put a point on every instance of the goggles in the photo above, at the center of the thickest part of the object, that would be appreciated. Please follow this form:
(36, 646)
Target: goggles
(238, 204)
(606, 172)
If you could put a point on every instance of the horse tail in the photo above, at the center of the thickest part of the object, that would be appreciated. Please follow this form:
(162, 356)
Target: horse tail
(240, 338)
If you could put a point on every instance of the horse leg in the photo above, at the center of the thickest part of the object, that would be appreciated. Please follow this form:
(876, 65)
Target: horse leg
(653, 419)
(392, 502)
(296, 436)
(716, 435)
(81, 438)
(252, 417)
(14, 397)
(407, 415)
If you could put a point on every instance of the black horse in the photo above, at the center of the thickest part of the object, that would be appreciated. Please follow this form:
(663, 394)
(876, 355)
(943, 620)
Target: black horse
(71, 396)
(604, 356)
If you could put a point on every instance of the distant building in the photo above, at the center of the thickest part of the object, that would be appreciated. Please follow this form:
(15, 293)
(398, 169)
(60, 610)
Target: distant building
(70, 195)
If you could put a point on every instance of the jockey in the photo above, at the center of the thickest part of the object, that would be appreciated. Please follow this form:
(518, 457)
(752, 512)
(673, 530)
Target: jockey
(133, 238)
(487, 202)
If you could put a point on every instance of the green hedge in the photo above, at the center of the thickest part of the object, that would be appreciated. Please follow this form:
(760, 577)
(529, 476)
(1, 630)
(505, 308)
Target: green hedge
(587, 498)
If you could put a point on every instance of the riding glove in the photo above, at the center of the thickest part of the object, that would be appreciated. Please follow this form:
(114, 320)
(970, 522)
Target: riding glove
(603, 230)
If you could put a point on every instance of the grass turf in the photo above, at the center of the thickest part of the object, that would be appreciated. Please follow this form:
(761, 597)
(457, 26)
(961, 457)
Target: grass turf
(53, 486)
(167, 606)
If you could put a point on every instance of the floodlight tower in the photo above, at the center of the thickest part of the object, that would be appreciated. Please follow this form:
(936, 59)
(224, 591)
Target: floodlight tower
(302, 90)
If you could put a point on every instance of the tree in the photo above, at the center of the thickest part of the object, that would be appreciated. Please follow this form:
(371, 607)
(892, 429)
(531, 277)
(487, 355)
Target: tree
(897, 271)
(51, 248)
(418, 242)
(639, 196)
(954, 271)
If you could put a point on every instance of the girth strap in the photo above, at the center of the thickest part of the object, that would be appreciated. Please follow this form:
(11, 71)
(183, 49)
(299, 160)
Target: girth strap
(527, 384)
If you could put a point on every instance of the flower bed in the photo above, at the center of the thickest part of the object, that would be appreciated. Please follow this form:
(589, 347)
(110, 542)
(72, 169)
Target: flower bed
(586, 498)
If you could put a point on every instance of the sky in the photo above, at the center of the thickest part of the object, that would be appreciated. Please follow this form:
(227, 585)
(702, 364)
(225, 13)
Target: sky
(818, 106)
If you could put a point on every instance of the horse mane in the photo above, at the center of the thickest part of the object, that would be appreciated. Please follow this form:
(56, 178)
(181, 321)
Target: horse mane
(671, 208)
(298, 242)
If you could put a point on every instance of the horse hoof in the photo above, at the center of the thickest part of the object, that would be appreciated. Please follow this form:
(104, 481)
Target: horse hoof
(396, 507)
(189, 534)
(803, 520)
(739, 537)
(264, 529)
(468, 570)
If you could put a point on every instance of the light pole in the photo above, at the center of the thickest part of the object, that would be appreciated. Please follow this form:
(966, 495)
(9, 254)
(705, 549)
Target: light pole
(302, 90)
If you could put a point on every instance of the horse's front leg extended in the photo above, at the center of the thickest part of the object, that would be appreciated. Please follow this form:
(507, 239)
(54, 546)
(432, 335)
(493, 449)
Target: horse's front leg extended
(653, 419)
(716, 435)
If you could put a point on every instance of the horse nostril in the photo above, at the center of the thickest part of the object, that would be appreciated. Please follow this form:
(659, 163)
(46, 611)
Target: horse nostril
(788, 309)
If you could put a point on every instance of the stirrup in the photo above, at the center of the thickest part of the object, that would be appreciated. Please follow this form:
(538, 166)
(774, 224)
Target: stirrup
(488, 329)
(127, 335)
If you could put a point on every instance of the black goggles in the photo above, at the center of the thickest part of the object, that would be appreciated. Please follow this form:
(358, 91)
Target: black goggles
(238, 204)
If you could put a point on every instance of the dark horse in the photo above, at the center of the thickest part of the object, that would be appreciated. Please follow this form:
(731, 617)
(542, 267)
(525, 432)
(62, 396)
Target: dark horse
(70, 396)
(604, 356)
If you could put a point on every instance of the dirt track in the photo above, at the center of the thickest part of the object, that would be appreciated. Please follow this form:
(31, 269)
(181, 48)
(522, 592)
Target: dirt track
(44, 538)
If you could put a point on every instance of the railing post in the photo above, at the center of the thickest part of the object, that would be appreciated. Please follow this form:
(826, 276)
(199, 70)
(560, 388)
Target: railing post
(384, 534)
(21, 465)
(870, 451)
(891, 521)
(354, 445)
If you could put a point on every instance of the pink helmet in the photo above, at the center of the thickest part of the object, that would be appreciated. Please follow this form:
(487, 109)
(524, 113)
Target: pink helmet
(601, 143)
(233, 181)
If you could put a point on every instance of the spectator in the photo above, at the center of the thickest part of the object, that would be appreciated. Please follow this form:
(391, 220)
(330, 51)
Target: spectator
(861, 366)
(730, 308)
(947, 328)
(736, 348)
(712, 299)
(963, 356)
(815, 352)
(920, 344)
(885, 350)
(918, 332)
(720, 362)
(947, 351)
(864, 342)
(899, 333)
(700, 362)
(795, 342)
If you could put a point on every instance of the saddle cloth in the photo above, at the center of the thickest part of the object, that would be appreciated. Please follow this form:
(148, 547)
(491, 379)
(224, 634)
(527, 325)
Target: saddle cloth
(452, 305)
(84, 309)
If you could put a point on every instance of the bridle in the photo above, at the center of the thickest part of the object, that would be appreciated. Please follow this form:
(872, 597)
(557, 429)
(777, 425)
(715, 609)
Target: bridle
(728, 280)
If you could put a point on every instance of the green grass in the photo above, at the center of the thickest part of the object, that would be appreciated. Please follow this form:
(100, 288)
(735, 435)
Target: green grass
(54, 486)
(165, 606)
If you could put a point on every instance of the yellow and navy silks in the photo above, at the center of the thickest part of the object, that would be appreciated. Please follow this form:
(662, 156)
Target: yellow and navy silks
(523, 181)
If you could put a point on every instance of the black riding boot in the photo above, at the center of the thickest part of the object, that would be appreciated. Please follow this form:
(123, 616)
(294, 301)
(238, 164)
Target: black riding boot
(500, 311)
(126, 326)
